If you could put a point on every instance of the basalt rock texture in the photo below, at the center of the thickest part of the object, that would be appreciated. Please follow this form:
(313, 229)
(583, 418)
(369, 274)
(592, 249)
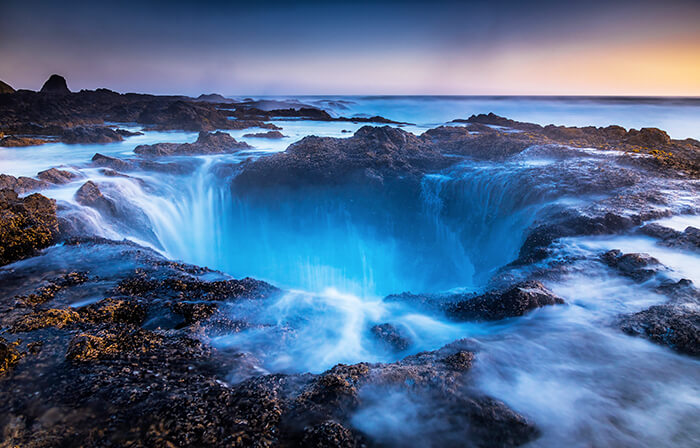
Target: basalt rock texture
(95, 134)
(21, 184)
(516, 300)
(206, 143)
(56, 176)
(660, 150)
(26, 225)
(373, 154)
(675, 324)
(128, 369)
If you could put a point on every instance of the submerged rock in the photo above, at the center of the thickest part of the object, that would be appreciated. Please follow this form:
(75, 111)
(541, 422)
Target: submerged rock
(91, 196)
(395, 338)
(26, 225)
(639, 267)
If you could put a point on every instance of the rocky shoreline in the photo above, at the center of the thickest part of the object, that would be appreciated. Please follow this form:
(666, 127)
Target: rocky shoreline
(107, 343)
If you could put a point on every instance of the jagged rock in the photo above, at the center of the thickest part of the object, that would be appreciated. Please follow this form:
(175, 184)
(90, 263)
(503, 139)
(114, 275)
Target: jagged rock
(6, 88)
(268, 134)
(374, 153)
(674, 325)
(513, 302)
(56, 176)
(393, 337)
(111, 162)
(56, 84)
(688, 239)
(635, 266)
(21, 184)
(207, 143)
(91, 196)
(95, 134)
(26, 225)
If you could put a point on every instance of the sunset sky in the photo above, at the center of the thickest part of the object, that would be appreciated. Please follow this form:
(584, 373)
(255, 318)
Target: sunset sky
(360, 47)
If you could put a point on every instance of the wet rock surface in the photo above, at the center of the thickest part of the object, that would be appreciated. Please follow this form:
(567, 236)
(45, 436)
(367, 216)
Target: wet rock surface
(95, 134)
(372, 154)
(269, 134)
(57, 176)
(107, 373)
(26, 225)
(206, 143)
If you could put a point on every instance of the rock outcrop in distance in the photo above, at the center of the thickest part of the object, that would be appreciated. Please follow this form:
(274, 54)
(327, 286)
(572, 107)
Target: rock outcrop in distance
(54, 110)
(378, 153)
(56, 84)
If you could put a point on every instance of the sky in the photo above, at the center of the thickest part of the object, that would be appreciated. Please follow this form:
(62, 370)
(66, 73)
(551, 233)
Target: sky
(594, 47)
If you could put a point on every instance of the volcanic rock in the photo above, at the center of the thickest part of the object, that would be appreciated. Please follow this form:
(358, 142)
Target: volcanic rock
(26, 225)
(512, 302)
(95, 134)
(56, 176)
(639, 267)
(13, 141)
(374, 153)
(56, 84)
(268, 134)
(21, 184)
(206, 143)
(393, 337)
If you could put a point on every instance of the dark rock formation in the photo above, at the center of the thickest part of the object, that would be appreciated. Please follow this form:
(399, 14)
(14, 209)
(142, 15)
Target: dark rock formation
(56, 84)
(394, 338)
(9, 356)
(13, 141)
(372, 154)
(91, 196)
(21, 184)
(6, 88)
(95, 134)
(268, 134)
(512, 302)
(214, 98)
(207, 143)
(121, 371)
(639, 267)
(56, 176)
(688, 239)
(26, 225)
(111, 162)
(674, 325)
